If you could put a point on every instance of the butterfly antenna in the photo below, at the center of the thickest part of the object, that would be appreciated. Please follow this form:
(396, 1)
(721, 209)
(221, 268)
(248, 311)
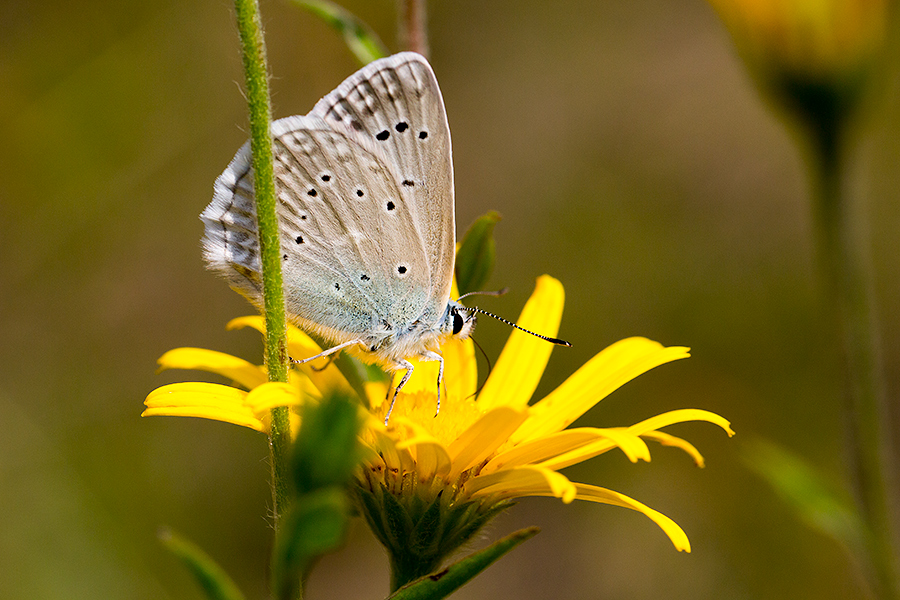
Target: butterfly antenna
(495, 293)
(513, 325)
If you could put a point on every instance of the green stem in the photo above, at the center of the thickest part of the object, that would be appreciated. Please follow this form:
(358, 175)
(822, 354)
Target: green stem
(848, 278)
(254, 55)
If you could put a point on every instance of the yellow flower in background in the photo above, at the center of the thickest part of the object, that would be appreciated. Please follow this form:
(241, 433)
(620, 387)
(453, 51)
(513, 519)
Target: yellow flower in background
(430, 481)
(816, 37)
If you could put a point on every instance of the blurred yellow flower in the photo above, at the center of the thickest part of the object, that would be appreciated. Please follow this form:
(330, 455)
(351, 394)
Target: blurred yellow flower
(791, 43)
(813, 36)
(481, 450)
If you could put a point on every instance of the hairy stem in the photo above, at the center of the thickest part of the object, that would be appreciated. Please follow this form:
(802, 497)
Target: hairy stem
(256, 71)
(413, 31)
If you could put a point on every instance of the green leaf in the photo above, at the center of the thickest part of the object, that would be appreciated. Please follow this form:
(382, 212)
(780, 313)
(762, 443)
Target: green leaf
(315, 524)
(821, 506)
(212, 578)
(360, 38)
(326, 451)
(443, 583)
(476, 255)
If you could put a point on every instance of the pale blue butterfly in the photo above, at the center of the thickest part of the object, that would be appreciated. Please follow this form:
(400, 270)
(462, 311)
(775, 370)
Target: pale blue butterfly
(366, 215)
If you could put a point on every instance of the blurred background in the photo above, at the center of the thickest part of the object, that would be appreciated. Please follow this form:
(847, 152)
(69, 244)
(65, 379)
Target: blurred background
(630, 156)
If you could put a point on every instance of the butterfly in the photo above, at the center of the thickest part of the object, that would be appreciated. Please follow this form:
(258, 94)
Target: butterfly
(367, 225)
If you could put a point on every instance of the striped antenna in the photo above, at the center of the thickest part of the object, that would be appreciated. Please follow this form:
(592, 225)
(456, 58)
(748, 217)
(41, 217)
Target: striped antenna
(511, 324)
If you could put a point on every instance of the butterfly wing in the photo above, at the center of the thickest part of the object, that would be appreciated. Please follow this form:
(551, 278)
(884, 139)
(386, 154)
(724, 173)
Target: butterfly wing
(364, 186)
(397, 105)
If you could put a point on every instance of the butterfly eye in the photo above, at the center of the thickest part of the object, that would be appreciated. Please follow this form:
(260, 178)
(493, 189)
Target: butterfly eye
(457, 323)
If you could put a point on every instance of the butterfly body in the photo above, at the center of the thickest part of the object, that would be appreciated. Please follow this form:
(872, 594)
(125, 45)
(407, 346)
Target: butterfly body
(365, 205)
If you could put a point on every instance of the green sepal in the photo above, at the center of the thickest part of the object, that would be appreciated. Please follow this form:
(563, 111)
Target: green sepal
(326, 451)
(419, 532)
(315, 524)
(359, 37)
(425, 538)
(443, 583)
(476, 255)
(397, 519)
(371, 511)
(212, 578)
(477, 517)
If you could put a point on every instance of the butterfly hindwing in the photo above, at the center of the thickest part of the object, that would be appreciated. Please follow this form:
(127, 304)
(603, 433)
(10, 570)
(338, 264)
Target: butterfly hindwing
(352, 259)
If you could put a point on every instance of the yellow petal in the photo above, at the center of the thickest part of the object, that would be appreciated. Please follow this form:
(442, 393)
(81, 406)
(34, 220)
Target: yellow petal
(431, 458)
(387, 449)
(644, 428)
(460, 371)
(262, 399)
(483, 437)
(524, 357)
(237, 369)
(300, 346)
(423, 379)
(676, 442)
(205, 412)
(593, 493)
(522, 481)
(680, 416)
(204, 400)
(543, 449)
(376, 393)
(596, 379)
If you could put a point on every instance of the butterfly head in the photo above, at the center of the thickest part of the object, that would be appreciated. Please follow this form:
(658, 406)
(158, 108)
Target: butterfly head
(459, 321)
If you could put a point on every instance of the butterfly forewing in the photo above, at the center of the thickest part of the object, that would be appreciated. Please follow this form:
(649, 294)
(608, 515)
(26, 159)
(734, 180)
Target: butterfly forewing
(396, 104)
(356, 263)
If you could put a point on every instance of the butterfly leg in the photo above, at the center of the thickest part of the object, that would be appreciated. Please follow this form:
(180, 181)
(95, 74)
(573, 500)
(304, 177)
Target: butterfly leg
(328, 352)
(327, 364)
(429, 355)
(401, 364)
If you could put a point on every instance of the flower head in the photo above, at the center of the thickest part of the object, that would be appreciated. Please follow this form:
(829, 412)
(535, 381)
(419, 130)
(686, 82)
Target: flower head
(808, 52)
(430, 481)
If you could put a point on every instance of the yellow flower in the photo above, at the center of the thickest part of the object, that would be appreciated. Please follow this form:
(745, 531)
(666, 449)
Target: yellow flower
(812, 36)
(429, 482)
(252, 406)
(813, 55)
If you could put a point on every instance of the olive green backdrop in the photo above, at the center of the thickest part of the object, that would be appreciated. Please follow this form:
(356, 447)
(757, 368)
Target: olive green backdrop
(631, 158)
